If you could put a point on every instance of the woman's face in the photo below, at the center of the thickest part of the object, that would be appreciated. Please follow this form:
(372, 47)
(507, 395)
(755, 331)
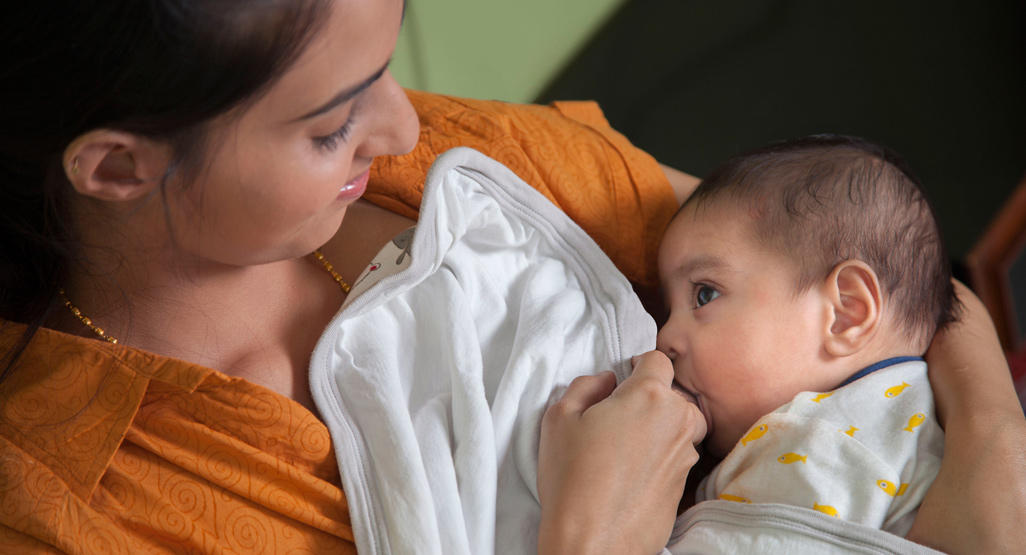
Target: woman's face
(278, 177)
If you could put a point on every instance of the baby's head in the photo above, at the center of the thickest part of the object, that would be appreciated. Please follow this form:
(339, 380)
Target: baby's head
(792, 267)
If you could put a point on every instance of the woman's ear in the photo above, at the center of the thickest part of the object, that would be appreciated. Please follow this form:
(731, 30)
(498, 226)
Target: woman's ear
(856, 303)
(115, 165)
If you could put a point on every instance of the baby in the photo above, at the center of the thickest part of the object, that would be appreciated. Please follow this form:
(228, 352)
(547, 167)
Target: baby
(804, 282)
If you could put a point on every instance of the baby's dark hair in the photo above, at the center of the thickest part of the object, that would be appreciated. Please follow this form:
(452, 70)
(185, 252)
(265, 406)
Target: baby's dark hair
(824, 199)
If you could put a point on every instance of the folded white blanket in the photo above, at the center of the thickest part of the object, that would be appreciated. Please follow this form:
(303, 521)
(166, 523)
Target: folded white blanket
(433, 381)
(727, 527)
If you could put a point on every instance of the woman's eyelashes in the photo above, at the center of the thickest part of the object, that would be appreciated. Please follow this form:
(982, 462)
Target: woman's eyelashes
(704, 294)
(331, 142)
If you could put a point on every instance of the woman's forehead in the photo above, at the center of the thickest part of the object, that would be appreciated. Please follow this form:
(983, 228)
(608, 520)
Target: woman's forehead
(350, 48)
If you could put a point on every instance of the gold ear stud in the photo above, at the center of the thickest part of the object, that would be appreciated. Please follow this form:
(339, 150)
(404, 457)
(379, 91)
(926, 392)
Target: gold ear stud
(74, 166)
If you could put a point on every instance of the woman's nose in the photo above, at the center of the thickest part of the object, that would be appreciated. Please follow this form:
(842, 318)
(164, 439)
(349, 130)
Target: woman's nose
(396, 127)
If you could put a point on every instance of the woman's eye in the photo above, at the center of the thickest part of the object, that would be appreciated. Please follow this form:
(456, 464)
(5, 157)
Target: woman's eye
(331, 142)
(704, 294)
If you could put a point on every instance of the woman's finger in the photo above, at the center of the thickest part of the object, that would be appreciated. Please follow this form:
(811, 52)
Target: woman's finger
(585, 391)
(652, 368)
(651, 384)
(616, 456)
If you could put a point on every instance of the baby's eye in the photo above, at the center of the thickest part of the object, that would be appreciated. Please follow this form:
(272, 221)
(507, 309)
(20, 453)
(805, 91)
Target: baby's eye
(704, 294)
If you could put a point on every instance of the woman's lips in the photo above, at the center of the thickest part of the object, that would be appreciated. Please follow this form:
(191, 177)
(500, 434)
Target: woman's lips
(355, 188)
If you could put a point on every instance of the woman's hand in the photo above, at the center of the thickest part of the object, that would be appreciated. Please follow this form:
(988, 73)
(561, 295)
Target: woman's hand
(977, 504)
(613, 461)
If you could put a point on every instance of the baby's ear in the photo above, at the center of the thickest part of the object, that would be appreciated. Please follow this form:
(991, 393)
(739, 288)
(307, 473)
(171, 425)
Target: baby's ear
(853, 293)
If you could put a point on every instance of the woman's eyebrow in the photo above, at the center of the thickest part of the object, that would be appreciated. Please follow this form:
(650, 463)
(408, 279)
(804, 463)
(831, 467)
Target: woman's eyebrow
(345, 95)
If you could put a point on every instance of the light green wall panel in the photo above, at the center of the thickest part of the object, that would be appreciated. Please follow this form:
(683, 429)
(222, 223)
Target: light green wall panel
(492, 49)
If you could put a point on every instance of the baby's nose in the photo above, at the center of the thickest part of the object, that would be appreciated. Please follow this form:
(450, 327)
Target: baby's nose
(668, 342)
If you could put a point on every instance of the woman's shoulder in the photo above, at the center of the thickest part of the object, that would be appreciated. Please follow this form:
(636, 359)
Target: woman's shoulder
(618, 193)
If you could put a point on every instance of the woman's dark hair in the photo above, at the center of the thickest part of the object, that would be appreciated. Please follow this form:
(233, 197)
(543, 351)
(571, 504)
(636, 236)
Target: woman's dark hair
(157, 68)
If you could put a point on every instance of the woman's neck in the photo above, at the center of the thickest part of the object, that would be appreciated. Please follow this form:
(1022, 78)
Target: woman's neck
(258, 322)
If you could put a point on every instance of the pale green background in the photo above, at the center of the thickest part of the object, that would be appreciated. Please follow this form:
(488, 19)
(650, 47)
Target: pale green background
(492, 49)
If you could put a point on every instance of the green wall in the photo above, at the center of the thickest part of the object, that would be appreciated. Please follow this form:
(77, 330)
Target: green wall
(493, 49)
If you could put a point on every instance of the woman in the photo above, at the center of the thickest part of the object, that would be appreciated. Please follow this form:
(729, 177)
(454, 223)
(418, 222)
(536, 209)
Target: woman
(168, 167)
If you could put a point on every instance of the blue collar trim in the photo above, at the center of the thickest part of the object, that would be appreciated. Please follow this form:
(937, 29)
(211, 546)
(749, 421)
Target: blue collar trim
(878, 366)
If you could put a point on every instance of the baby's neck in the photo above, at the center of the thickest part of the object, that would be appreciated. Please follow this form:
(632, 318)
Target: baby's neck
(886, 346)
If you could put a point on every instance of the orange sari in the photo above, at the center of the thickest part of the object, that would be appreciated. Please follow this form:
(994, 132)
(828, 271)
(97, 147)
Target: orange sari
(109, 449)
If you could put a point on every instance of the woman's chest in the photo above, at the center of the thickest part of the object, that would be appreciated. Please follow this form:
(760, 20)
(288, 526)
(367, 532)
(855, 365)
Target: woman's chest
(364, 231)
(278, 357)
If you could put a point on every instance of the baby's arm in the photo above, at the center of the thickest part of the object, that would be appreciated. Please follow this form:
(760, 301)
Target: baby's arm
(978, 502)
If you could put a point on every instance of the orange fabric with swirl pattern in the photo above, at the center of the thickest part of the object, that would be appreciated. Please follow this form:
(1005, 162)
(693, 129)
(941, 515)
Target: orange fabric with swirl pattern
(568, 151)
(109, 449)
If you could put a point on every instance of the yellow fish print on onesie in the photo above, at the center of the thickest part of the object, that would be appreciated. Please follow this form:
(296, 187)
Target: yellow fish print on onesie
(891, 489)
(825, 509)
(893, 392)
(788, 458)
(819, 397)
(754, 434)
(734, 498)
(915, 421)
(851, 431)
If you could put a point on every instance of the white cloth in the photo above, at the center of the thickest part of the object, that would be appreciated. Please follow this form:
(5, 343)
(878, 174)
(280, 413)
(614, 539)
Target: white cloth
(865, 453)
(433, 380)
(727, 527)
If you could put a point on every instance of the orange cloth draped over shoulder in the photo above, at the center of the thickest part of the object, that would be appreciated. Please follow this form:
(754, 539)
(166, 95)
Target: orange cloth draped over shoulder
(110, 449)
(567, 151)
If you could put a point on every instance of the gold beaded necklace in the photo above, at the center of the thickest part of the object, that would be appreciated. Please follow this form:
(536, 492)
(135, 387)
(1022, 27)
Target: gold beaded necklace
(331, 270)
(110, 339)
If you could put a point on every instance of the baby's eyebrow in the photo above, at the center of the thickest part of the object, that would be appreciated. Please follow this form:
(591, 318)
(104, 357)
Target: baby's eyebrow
(701, 263)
